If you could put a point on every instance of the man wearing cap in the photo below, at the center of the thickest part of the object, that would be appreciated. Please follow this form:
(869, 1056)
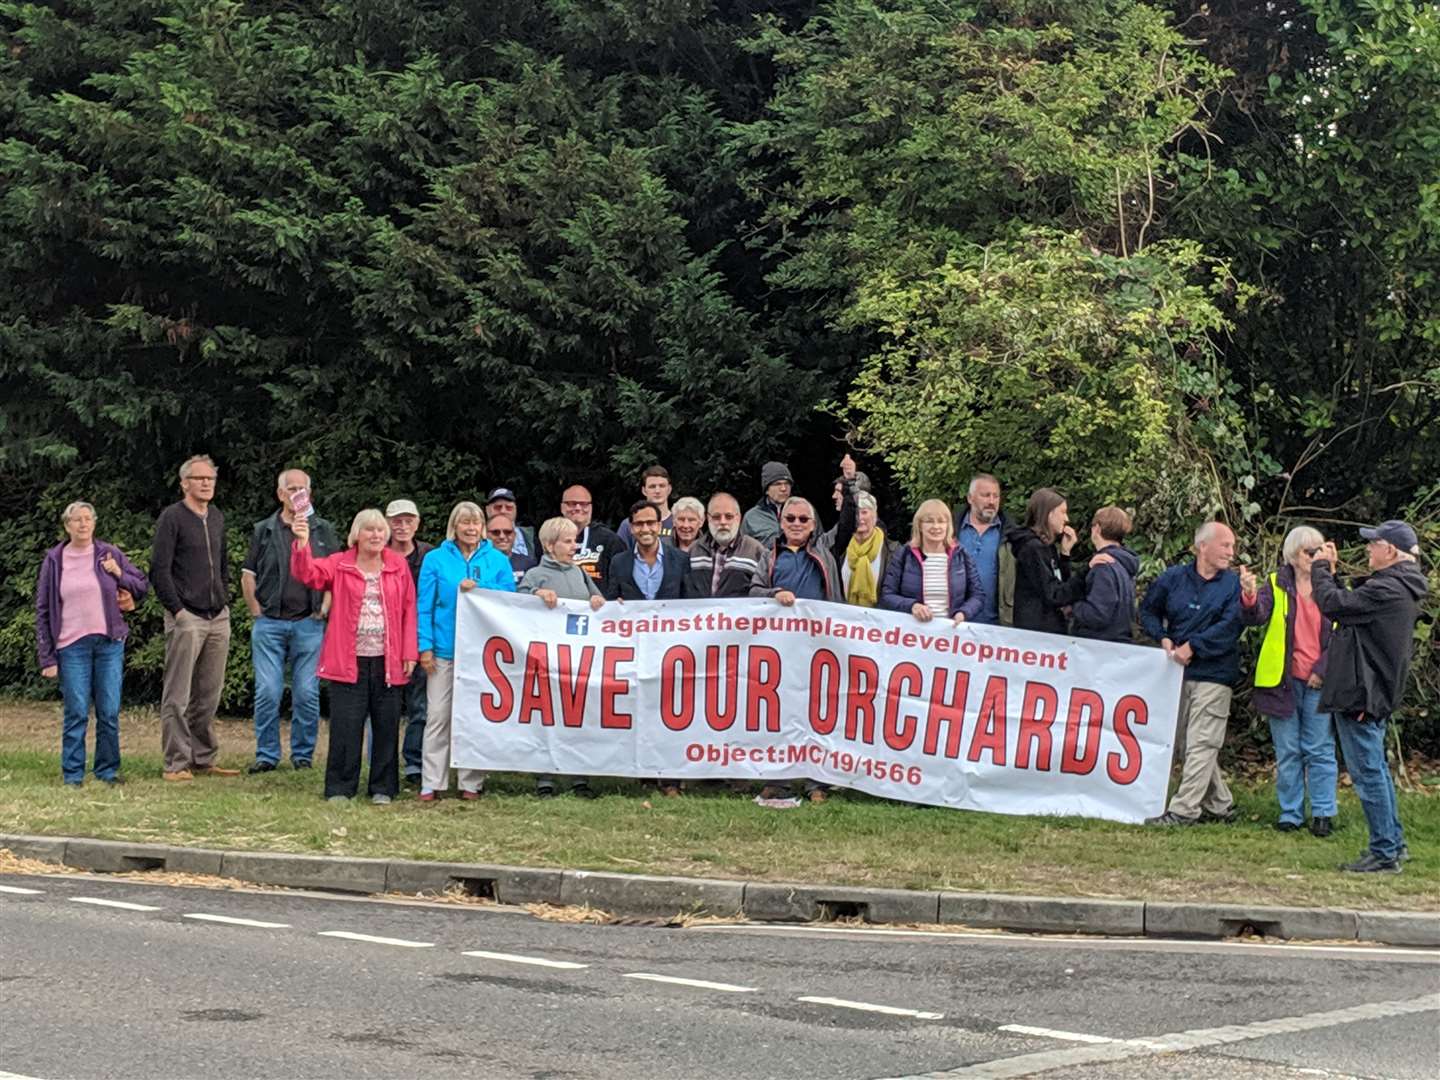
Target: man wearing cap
(502, 501)
(1365, 676)
(762, 521)
(404, 519)
(288, 625)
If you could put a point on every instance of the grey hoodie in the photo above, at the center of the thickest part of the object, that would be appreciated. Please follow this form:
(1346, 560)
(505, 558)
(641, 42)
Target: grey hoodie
(568, 580)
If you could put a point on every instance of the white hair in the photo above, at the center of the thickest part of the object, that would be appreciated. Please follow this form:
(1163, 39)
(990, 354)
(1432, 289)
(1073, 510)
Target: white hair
(690, 503)
(977, 478)
(75, 508)
(796, 500)
(197, 459)
(1206, 532)
(280, 480)
(1298, 539)
(865, 501)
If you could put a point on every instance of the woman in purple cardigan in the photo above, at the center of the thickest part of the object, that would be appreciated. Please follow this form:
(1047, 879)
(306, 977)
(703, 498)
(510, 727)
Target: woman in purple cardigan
(933, 575)
(80, 638)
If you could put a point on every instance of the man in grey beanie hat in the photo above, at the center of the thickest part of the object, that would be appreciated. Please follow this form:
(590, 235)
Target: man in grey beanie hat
(762, 521)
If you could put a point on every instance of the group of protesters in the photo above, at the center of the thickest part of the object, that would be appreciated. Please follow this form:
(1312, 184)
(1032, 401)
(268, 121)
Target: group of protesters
(374, 617)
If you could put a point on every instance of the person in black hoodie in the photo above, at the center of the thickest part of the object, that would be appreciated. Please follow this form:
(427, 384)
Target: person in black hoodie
(1107, 611)
(1366, 670)
(1044, 583)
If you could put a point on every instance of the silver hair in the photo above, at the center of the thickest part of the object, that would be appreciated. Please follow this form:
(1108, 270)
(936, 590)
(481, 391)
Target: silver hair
(280, 480)
(196, 459)
(1298, 539)
(690, 503)
(463, 511)
(1206, 532)
(865, 501)
(722, 495)
(74, 508)
(797, 500)
(363, 520)
(555, 528)
(977, 478)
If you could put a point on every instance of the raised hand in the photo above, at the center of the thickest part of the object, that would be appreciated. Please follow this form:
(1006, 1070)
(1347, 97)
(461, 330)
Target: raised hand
(1067, 540)
(847, 467)
(301, 528)
(1248, 583)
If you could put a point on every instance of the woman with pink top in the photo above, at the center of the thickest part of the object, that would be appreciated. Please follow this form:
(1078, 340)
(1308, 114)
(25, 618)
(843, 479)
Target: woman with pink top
(80, 636)
(368, 653)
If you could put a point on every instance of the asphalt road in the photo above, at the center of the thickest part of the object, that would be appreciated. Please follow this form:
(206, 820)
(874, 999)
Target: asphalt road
(301, 987)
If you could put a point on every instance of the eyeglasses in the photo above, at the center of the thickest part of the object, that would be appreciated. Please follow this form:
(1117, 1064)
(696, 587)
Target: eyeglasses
(1312, 552)
(577, 503)
(797, 519)
(647, 524)
(201, 479)
(502, 532)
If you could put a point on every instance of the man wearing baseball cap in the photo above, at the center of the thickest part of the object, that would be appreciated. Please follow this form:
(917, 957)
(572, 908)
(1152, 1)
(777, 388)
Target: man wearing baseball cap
(501, 500)
(404, 518)
(1365, 677)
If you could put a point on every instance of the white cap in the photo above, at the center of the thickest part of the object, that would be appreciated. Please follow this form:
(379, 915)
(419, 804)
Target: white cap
(401, 506)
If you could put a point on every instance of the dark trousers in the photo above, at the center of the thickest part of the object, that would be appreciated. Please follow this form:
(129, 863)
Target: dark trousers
(350, 704)
(415, 709)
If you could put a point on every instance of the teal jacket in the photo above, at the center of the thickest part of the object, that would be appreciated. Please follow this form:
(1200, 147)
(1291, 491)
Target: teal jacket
(440, 577)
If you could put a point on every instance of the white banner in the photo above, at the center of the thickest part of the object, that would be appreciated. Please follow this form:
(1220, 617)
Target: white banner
(974, 717)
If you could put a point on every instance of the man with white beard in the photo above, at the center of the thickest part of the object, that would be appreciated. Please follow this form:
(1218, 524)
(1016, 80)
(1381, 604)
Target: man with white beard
(725, 560)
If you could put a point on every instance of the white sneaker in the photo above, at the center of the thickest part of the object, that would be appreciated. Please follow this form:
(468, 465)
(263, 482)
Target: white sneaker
(380, 800)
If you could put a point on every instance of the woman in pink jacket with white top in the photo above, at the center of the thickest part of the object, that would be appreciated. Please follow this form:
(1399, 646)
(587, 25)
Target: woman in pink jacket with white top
(368, 653)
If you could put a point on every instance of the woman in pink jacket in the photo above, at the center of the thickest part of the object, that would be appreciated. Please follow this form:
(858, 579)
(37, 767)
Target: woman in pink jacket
(368, 652)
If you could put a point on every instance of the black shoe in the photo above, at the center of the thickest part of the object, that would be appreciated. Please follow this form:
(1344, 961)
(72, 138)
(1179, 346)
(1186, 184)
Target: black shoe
(114, 781)
(584, 791)
(1168, 818)
(1292, 826)
(411, 779)
(1230, 817)
(1370, 863)
(544, 792)
(261, 766)
(1322, 826)
(303, 763)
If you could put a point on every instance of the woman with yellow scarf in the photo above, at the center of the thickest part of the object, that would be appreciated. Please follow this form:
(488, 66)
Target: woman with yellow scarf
(867, 555)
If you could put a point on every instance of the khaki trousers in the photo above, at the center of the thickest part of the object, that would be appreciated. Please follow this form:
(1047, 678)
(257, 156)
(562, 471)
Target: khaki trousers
(195, 652)
(435, 752)
(1204, 714)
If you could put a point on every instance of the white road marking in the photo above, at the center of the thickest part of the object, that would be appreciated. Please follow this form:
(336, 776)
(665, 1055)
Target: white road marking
(1074, 1057)
(18, 892)
(231, 921)
(15, 1076)
(865, 1006)
(112, 903)
(537, 961)
(699, 984)
(1012, 937)
(377, 940)
(1051, 1033)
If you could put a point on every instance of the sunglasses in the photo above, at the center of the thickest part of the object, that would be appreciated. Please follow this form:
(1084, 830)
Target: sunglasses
(796, 519)
(502, 532)
(1312, 552)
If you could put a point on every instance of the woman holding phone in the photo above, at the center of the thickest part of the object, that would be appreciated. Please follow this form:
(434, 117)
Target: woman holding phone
(368, 653)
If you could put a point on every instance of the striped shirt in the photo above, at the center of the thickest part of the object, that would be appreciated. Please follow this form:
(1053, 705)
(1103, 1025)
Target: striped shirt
(936, 588)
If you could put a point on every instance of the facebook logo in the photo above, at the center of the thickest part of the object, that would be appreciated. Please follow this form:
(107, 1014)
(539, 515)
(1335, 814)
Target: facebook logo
(577, 624)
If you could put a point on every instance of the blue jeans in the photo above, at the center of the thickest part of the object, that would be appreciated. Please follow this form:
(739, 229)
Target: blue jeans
(1363, 744)
(274, 645)
(91, 668)
(415, 708)
(1304, 757)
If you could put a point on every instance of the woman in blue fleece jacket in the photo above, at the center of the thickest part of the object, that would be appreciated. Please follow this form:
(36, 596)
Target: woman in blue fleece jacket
(1107, 611)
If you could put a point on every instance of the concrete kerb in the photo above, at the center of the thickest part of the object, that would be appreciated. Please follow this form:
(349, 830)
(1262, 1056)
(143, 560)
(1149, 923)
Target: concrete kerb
(644, 895)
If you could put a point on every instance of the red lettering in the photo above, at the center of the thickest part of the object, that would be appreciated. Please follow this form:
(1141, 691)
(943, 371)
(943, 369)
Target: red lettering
(1037, 713)
(824, 677)
(1087, 712)
(573, 688)
(720, 714)
(612, 686)
(496, 708)
(1128, 710)
(860, 698)
(990, 726)
(950, 712)
(762, 688)
(676, 715)
(535, 685)
(905, 682)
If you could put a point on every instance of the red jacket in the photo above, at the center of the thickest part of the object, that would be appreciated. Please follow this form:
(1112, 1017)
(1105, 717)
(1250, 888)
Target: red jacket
(339, 574)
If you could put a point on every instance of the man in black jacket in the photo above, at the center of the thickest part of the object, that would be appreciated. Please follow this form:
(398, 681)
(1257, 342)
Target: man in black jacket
(191, 576)
(288, 625)
(1365, 674)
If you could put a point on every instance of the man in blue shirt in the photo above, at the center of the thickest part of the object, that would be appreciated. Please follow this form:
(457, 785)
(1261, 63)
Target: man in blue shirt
(649, 569)
(981, 531)
(1193, 610)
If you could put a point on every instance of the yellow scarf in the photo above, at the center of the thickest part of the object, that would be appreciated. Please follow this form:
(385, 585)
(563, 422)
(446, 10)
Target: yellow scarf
(863, 589)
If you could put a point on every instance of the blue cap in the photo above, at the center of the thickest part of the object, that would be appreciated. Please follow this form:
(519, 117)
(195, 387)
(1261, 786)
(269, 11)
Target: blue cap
(1394, 532)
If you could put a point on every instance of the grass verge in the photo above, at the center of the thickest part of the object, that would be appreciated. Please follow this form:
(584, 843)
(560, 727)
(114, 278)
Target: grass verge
(853, 839)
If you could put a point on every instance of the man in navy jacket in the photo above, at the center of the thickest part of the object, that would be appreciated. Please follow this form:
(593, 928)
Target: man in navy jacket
(650, 570)
(1193, 610)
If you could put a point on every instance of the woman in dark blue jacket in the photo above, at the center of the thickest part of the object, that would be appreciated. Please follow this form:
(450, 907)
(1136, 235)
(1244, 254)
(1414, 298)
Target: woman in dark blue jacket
(933, 574)
(1107, 611)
